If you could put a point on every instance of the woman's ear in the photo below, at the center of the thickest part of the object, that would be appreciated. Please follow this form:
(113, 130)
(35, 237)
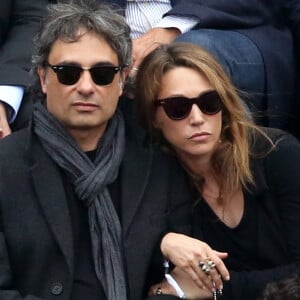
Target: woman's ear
(156, 123)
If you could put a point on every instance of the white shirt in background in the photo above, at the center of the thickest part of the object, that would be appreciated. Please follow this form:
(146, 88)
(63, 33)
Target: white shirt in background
(142, 15)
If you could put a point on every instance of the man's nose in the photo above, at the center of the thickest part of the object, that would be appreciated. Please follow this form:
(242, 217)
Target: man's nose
(85, 83)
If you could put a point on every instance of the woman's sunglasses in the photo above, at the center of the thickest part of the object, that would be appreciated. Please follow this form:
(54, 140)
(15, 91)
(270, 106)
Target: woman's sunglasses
(178, 108)
(70, 74)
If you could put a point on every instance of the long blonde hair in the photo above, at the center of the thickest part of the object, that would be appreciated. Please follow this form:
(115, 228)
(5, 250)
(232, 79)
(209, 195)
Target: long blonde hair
(230, 161)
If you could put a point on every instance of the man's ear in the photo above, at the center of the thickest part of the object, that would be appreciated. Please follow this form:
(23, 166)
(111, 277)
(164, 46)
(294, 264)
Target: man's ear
(122, 79)
(121, 83)
(125, 73)
(43, 79)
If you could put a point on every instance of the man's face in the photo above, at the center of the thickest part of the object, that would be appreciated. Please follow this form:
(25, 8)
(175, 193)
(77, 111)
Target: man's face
(83, 107)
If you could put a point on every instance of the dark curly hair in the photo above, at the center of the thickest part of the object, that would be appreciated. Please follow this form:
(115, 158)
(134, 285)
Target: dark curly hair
(288, 288)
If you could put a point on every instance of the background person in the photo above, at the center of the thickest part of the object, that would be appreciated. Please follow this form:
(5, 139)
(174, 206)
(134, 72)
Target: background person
(244, 178)
(251, 39)
(20, 21)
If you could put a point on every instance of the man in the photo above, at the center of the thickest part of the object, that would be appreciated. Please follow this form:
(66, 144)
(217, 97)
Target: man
(20, 21)
(83, 205)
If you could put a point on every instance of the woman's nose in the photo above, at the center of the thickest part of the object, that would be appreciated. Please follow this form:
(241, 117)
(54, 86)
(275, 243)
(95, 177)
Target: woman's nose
(196, 116)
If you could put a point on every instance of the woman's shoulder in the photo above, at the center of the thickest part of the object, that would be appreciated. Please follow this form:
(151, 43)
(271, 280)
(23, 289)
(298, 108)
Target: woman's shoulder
(276, 162)
(268, 139)
(279, 149)
(275, 133)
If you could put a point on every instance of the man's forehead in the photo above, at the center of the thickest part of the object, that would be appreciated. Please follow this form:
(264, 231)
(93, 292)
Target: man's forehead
(89, 47)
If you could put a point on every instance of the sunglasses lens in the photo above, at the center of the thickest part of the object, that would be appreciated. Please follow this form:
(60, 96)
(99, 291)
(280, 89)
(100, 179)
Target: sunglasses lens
(177, 108)
(103, 75)
(68, 75)
(210, 103)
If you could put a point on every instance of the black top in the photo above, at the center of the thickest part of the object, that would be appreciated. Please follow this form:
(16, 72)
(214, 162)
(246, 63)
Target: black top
(239, 241)
(265, 245)
(86, 284)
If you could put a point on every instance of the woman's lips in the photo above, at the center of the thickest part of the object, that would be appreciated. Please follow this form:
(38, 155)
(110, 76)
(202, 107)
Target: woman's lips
(199, 137)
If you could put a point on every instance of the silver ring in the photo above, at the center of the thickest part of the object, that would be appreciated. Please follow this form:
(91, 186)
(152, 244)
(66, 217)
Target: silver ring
(204, 267)
(211, 264)
(135, 69)
(158, 291)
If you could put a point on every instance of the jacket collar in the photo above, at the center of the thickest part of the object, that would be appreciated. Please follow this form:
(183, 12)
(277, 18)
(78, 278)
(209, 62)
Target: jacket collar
(134, 175)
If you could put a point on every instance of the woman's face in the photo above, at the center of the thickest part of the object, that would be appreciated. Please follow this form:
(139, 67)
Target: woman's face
(197, 135)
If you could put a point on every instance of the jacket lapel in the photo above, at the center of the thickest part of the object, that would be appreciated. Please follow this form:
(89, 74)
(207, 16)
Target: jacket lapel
(134, 174)
(51, 194)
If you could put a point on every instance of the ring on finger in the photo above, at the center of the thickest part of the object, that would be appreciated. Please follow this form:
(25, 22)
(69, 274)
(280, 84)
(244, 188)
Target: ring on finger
(210, 264)
(159, 291)
(204, 267)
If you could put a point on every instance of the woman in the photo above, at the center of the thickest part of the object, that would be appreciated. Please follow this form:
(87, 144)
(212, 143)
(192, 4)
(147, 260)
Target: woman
(244, 178)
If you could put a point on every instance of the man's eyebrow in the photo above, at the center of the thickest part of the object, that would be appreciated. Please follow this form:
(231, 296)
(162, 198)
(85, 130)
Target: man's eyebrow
(104, 63)
(76, 63)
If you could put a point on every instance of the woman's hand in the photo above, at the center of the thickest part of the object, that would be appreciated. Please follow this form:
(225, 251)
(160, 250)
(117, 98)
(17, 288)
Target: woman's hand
(190, 289)
(188, 253)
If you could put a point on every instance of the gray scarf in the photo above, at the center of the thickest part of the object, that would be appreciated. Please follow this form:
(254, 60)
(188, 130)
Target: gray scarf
(90, 181)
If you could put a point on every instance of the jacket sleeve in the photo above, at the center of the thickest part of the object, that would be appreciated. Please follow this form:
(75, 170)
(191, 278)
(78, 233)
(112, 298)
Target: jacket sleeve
(8, 274)
(282, 169)
(179, 213)
(16, 49)
(223, 14)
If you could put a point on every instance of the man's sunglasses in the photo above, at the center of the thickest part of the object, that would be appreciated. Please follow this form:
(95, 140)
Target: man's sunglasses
(70, 74)
(178, 108)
